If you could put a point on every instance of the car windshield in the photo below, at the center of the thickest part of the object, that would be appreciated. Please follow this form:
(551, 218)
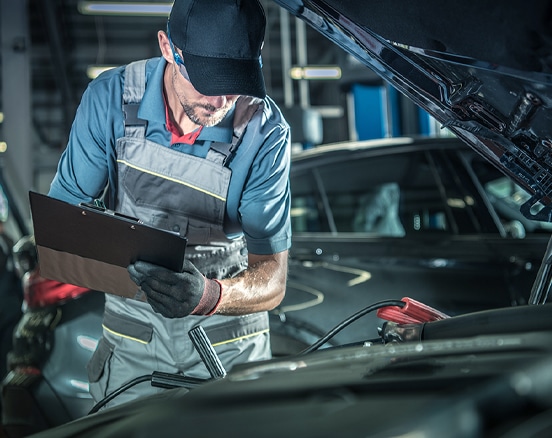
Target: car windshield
(410, 192)
(391, 195)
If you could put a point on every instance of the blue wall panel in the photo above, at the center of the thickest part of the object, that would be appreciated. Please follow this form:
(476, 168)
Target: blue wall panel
(370, 111)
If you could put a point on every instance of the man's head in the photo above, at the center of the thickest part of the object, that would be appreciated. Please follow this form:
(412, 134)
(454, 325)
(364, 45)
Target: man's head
(221, 42)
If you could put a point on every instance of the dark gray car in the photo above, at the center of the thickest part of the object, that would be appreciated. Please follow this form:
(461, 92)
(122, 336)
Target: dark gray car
(425, 218)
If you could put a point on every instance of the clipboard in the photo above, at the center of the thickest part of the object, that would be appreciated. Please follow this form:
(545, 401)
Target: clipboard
(91, 247)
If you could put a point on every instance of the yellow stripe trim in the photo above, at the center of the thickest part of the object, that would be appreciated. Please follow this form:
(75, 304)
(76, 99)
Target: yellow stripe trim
(124, 336)
(172, 179)
(228, 341)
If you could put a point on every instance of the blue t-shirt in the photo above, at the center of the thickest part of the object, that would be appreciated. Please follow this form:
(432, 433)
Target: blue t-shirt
(258, 201)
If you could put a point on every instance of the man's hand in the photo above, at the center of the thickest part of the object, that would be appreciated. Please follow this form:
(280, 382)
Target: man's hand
(174, 294)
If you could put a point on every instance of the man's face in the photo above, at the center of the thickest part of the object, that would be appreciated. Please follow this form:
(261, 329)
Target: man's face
(200, 109)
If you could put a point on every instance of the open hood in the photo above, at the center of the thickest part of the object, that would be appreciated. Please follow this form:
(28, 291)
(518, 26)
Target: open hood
(483, 69)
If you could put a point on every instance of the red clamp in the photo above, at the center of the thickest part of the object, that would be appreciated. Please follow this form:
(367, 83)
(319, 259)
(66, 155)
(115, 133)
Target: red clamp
(413, 312)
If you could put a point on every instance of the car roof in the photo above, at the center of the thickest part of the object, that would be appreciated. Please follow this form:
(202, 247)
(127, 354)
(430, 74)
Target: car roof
(383, 144)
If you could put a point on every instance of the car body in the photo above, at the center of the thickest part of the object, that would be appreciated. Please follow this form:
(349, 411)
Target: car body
(460, 369)
(483, 70)
(426, 218)
(481, 386)
(415, 217)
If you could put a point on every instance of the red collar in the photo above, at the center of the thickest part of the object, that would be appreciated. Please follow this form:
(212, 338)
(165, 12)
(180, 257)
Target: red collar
(188, 138)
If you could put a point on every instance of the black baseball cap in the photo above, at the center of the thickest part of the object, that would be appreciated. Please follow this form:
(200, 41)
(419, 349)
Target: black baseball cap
(221, 44)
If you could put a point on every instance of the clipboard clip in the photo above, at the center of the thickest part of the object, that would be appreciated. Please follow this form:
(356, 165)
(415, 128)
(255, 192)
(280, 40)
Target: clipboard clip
(102, 209)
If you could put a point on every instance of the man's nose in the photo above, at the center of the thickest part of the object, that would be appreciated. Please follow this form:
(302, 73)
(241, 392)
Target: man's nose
(216, 101)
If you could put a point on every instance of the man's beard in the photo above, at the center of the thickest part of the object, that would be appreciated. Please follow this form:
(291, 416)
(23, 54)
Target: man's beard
(194, 113)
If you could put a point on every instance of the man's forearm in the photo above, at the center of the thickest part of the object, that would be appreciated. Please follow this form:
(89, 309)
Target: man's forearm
(260, 287)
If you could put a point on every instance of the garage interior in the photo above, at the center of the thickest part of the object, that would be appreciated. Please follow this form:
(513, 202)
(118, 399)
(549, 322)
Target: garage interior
(47, 50)
(48, 47)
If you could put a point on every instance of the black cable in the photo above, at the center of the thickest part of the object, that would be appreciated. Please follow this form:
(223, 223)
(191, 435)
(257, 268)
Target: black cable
(115, 393)
(168, 380)
(350, 320)
(315, 346)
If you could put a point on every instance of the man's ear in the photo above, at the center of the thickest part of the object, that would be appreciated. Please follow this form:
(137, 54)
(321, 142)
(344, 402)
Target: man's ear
(165, 46)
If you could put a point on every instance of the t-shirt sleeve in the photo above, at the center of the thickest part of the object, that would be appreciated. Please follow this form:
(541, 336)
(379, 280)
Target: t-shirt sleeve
(265, 204)
(82, 171)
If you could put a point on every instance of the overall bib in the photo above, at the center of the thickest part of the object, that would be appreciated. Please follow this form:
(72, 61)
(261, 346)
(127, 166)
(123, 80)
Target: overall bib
(178, 192)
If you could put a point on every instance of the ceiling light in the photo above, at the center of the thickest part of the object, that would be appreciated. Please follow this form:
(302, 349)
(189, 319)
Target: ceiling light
(93, 71)
(315, 72)
(125, 8)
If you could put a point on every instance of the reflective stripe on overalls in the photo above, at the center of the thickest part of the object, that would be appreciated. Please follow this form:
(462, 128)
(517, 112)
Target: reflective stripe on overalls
(175, 191)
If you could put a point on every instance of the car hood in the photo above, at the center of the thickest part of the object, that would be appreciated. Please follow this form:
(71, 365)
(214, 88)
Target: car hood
(464, 386)
(482, 69)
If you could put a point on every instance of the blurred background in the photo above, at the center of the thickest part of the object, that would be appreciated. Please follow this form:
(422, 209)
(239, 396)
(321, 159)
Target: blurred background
(51, 49)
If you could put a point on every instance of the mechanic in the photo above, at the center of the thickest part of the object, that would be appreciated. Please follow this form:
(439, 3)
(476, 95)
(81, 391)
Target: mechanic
(188, 142)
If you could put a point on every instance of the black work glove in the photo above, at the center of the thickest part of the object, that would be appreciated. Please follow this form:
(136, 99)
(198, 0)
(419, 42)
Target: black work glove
(176, 294)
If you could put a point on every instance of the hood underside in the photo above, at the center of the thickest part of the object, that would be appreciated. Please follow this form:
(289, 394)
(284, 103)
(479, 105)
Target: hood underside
(482, 69)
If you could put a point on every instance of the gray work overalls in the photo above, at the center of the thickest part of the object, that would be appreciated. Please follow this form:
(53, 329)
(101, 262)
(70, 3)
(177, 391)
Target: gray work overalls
(187, 194)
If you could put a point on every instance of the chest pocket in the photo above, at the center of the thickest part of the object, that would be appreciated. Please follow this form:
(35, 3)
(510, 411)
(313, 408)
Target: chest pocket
(171, 190)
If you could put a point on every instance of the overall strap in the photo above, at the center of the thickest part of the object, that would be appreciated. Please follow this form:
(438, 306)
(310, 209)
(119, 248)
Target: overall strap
(246, 107)
(134, 88)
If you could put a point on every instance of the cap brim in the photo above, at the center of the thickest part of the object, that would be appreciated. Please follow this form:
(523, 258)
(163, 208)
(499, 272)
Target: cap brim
(222, 76)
